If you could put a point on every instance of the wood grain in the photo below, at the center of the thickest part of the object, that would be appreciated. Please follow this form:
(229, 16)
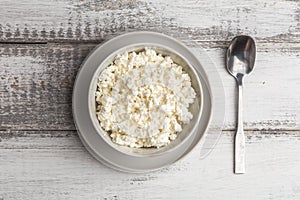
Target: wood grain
(190, 20)
(35, 165)
(37, 80)
(36, 85)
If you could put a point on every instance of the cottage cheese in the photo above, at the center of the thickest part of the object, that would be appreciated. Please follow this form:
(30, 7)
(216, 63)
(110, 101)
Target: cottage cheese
(143, 98)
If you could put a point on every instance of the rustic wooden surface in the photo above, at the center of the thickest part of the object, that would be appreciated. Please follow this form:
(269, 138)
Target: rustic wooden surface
(42, 44)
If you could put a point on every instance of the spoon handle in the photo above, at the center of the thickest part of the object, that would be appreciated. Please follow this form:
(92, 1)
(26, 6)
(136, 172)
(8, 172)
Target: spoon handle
(239, 136)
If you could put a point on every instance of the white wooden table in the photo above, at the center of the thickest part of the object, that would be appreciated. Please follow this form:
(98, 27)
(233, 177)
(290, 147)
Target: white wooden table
(42, 44)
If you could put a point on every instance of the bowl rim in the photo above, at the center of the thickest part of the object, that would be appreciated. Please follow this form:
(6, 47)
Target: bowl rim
(91, 100)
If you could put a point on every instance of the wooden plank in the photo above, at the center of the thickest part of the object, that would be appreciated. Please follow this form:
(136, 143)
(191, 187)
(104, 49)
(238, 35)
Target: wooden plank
(36, 86)
(270, 100)
(35, 165)
(190, 20)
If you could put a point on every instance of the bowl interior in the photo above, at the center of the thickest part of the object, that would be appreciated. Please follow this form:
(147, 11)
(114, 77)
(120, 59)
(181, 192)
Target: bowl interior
(195, 108)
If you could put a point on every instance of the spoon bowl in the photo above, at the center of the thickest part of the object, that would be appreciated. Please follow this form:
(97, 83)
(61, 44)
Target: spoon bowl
(241, 56)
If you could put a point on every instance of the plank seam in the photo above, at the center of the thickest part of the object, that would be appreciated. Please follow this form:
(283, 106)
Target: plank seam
(25, 43)
(92, 42)
(65, 130)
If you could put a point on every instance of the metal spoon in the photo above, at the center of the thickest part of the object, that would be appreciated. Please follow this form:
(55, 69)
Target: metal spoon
(240, 62)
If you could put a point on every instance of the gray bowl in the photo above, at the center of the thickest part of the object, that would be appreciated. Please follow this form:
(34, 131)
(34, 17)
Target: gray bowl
(113, 156)
(195, 108)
